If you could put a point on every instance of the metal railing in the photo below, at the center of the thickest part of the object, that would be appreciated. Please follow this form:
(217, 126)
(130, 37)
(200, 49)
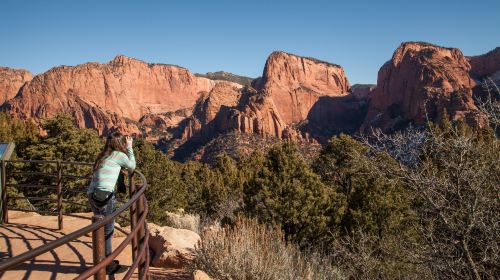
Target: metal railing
(136, 204)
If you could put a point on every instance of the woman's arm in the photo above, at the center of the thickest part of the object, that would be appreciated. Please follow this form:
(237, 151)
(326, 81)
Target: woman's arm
(127, 160)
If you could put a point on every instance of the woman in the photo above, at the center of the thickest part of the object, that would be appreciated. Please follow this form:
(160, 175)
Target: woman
(101, 192)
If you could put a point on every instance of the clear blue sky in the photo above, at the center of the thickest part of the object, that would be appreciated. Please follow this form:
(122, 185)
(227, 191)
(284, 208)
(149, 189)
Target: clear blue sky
(237, 36)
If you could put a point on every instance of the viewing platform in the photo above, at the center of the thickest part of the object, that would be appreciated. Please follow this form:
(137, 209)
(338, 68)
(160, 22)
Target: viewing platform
(64, 244)
(26, 231)
(29, 230)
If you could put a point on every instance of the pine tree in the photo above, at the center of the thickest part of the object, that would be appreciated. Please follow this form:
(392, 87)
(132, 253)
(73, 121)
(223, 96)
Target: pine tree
(286, 192)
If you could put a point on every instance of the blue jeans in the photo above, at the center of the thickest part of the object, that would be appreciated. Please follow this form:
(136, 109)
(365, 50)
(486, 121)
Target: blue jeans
(109, 228)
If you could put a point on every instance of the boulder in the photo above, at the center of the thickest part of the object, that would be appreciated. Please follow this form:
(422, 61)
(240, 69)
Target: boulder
(172, 248)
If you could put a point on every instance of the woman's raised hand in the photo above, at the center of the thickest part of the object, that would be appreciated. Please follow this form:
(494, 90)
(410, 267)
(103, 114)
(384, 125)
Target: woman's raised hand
(128, 140)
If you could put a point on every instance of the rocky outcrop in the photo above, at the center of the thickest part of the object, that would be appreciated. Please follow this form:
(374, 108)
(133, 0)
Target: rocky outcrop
(334, 115)
(210, 114)
(297, 98)
(11, 80)
(172, 247)
(126, 87)
(163, 121)
(486, 64)
(228, 108)
(295, 84)
(257, 115)
(362, 91)
(289, 89)
(422, 80)
(129, 94)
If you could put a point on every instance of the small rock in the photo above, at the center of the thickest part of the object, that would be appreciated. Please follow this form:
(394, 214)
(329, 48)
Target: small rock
(200, 275)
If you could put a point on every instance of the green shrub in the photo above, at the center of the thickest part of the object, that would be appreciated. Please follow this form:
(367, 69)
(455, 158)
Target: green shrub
(286, 192)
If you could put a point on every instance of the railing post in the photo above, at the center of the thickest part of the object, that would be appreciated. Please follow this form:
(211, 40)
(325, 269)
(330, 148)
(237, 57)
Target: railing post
(133, 217)
(98, 247)
(59, 196)
(3, 175)
(141, 236)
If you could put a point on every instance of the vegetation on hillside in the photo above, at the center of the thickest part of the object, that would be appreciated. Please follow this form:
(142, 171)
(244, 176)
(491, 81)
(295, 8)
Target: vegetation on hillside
(226, 76)
(415, 204)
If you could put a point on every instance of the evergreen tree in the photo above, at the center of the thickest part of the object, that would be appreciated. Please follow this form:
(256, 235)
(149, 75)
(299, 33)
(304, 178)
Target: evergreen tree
(23, 134)
(375, 201)
(286, 192)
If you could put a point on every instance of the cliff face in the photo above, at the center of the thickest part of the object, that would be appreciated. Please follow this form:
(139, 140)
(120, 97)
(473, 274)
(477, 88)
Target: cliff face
(128, 95)
(258, 115)
(11, 80)
(210, 114)
(422, 79)
(126, 87)
(486, 64)
(296, 83)
(297, 98)
(229, 108)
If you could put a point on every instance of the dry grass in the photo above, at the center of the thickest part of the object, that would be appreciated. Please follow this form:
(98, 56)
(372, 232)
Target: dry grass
(253, 251)
(182, 220)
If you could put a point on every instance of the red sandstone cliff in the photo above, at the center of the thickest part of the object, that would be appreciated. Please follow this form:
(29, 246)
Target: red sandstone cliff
(229, 108)
(422, 78)
(126, 93)
(295, 84)
(209, 116)
(486, 64)
(290, 88)
(126, 87)
(11, 80)
(258, 115)
(296, 98)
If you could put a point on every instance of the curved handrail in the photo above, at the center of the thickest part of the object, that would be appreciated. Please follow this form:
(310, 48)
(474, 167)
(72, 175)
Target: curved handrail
(93, 270)
(141, 224)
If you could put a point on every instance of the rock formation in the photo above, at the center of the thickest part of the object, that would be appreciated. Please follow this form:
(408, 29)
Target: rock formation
(295, 84)
(422, 80)
(257, 115)
(129, 94)
(486, 64)
(291, 86)
(228, 108)
(296, 98)
(126, 87)
(11, 80)
(209, 116)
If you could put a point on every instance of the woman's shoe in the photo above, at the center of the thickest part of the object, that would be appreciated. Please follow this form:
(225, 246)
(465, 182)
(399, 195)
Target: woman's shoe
(114, 267)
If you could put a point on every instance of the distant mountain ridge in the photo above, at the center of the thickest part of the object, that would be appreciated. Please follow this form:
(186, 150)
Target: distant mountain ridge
(226, 76)
(298, 98)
